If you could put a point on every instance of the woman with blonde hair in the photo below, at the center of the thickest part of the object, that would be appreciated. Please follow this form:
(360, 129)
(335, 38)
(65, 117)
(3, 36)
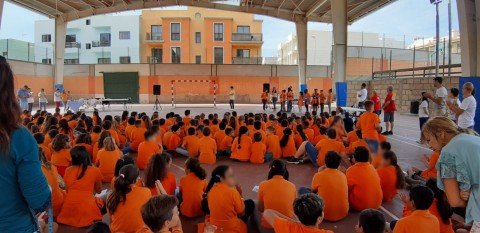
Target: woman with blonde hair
(107, 158)
(458, 166)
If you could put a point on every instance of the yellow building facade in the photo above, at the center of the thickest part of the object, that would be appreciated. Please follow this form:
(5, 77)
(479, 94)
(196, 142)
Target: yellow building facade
(201, 36)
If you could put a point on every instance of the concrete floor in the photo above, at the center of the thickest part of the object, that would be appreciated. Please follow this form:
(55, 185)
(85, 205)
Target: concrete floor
(403, 143)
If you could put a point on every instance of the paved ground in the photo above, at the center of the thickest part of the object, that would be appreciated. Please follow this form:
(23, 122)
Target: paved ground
(403, 143)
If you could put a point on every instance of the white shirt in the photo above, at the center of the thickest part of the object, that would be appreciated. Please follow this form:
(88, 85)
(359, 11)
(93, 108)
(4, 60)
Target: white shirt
(451, 115)
(42, 97)
(466, 119)
(421, 112)
(362, 95)
(57, 96)
(441, 92)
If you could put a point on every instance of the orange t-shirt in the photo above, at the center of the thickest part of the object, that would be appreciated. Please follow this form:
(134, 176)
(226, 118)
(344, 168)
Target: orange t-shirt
(62, 158)
(208, 150)
(145, 151)
(319, 138)
(329, 98)
(87, 146)
(300, 101)
(364, 187)
(128, 215)
(289, 96)
(58, 195)
(226, 143)
(277, 194)
(128, 132)
(376, 161)
(432, 171)
(367, 122)
(225, 203)
(174, 142)
(166, 138)
(322, 98)
(352, 137)
(388, 182)
(310, 134)
(444, 228)
(264, 135)
(327, 145)
(331, 185)
(219, 135)
(169, 184)
(242, 153)
(279, 132)
(95, 137)
(114, 135)
(289, 150)
(258, 152)
(381, 138)
(358, 143)
(106, 161)
(192, 144)
(273, 146)
(419, 221)
(186, 120)
(138, 136)
(192, 189)
(46, 150)
(283, 96)
(284, 226)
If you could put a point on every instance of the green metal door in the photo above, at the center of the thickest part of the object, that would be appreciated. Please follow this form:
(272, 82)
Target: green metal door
(121, 85)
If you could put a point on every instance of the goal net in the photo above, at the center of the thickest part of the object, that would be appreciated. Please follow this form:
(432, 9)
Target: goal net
(194, 93)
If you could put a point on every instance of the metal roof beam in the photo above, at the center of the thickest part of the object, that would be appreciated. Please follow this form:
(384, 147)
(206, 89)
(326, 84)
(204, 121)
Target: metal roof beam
(315, 7)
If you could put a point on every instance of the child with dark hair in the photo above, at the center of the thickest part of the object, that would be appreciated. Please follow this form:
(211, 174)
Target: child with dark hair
(277, 193)
(287, 143)
(126, 200)
(95, 134)
(308, 209)
(259, 150)
(272, 142)
(85, 140)
(440, 207)
(160, 214)
(391, 176)
(242, 146)
(40, 138)
(377, 158)
(147, 149)
(454, 101)
(208, 148)
(370, 221)
(158, 168)
(225, 147)
(99, 227)
(420, 220)
(364, 187)
(192, 186)
(358, 143)
(61, 157)
(190, 145)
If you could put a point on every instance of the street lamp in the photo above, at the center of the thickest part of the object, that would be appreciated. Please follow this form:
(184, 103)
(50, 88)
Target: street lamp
(437, 44)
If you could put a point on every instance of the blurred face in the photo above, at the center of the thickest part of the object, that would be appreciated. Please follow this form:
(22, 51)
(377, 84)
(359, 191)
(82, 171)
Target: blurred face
(175, 219)
(436, 84)
(465, 91)
(229, 178)
(433, 142)
(385, 162)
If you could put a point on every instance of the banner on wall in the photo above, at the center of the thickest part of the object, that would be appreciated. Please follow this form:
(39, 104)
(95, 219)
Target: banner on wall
(59, 86)
(476, 84)
(341, 91)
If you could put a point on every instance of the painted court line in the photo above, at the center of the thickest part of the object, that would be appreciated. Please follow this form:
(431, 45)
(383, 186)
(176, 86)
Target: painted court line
(410, 143)
(181, 168)
(389, 213)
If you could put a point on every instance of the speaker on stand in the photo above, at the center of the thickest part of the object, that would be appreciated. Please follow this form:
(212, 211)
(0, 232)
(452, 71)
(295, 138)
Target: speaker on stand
(157, 91)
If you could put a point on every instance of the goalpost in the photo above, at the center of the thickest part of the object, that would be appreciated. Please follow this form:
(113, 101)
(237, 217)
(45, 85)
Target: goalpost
(173, 82)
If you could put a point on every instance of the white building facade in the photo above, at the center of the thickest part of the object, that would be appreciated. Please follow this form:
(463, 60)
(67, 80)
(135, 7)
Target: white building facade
(102, 39)
(319, 46)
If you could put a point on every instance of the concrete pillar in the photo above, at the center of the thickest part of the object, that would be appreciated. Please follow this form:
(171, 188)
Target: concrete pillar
(470, 32)
(339, 22)
(1, 12)
(59, 51)
(302, 29)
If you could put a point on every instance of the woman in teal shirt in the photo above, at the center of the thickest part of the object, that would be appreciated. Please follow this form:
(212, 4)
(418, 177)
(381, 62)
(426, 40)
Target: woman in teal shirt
(25, 190)
(458, 166)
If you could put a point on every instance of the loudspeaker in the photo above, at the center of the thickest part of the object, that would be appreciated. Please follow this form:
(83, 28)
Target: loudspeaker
(156, 90)
(266, 86)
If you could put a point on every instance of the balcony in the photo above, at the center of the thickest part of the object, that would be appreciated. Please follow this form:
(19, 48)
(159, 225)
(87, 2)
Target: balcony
(101, 43)
(247, 38)
(72, 45)
(247, 60)
(154, 60)
(153, 37)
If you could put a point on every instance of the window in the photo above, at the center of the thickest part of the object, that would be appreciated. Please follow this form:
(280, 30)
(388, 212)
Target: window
(88, 46)
(47, 61)
(218, 31)
(243, 29)
(105, 39)
(156, 32)
(124, 35)
(243, 52)
(87, 22)
(218, 55)
(71, 61)
(106, 60)
(70, 38)
(198, 37)
(125, 60)
(176, 55)
(198, 59)
(157, 55)
(175, 32)
(47, 38)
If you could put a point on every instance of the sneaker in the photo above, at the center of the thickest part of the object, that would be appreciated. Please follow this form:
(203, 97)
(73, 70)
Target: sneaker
(293, 160)
(385, 133)
(390, 132)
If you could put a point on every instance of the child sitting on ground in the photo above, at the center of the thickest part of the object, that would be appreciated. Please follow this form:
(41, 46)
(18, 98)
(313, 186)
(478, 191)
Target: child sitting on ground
(259, 150)
(357, 143)
(242, 146)
(377, 159)
(192, 186)
(147, 149)
(158, 168)
(308, 209)
(208, 148)
(370, 221)
(391, 176)
(160, 214)
(272, 143)
(191, 145)
(430, 172)
(225, 147)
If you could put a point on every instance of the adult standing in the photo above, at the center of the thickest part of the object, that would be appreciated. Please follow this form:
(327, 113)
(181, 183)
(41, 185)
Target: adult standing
(22, 95)
(30, 100)
(289, 99)
(65, 97)
(307, 99)
(466, 111)
(439, 106)
(232, 97)
(42, 100)
(457, 166)
(274, 98)
(329, 100)
(453, 100)
(25, 190)
(362, 95)
(57, 97)
(389, 109)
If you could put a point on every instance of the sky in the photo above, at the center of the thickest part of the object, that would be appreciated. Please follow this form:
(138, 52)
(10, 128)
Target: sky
(403, 18)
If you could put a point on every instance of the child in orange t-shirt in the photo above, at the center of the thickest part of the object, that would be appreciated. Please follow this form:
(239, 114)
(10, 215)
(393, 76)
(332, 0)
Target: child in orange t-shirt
(40, 140)
(287, 143)
(371, 221)
(300, 101)
(158, 168)
(107, 157)
(161, 214)
(376, 160)
(190, 146)
(277, 193)
(225, 147)
(304, 207)
(138, 136)
(192, 186)
(51, 174)
(440, 207)
(272, 142)
(147, 149)
(259, 150)
(61, 157)
(175, 140)
(359, 142)
(391, 176)
(85, 140)
(95, 134)
(430, 163)
(364, 188)
(220, 134)
(208, 148)
(369, 123)
(322, 135)
(242, 146)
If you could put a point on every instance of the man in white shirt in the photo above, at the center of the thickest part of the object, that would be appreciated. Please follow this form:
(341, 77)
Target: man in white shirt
(439, 99)
(466, 111)
(362, 95)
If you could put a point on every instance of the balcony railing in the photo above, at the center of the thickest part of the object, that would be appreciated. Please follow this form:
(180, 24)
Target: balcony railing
(154, 60)
(72, 45)
(247, 60)
(154, 37)
(101, 43)
(249, 37)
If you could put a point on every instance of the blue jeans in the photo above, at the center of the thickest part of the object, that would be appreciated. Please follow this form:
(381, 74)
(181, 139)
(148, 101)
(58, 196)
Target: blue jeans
(24, 105)
(422, 121)
(268, 157)
(42, 106)
(274, 102)
(182, 151)
(126, 150)
(373, 145)
(312, 153)
(304, 190)
(232, 104)
(289, 106)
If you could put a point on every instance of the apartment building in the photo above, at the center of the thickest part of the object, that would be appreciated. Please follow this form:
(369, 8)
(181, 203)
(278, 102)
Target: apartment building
(429, 43)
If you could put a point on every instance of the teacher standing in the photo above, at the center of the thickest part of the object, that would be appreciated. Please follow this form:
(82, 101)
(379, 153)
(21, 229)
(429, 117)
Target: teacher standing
(232, 97)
